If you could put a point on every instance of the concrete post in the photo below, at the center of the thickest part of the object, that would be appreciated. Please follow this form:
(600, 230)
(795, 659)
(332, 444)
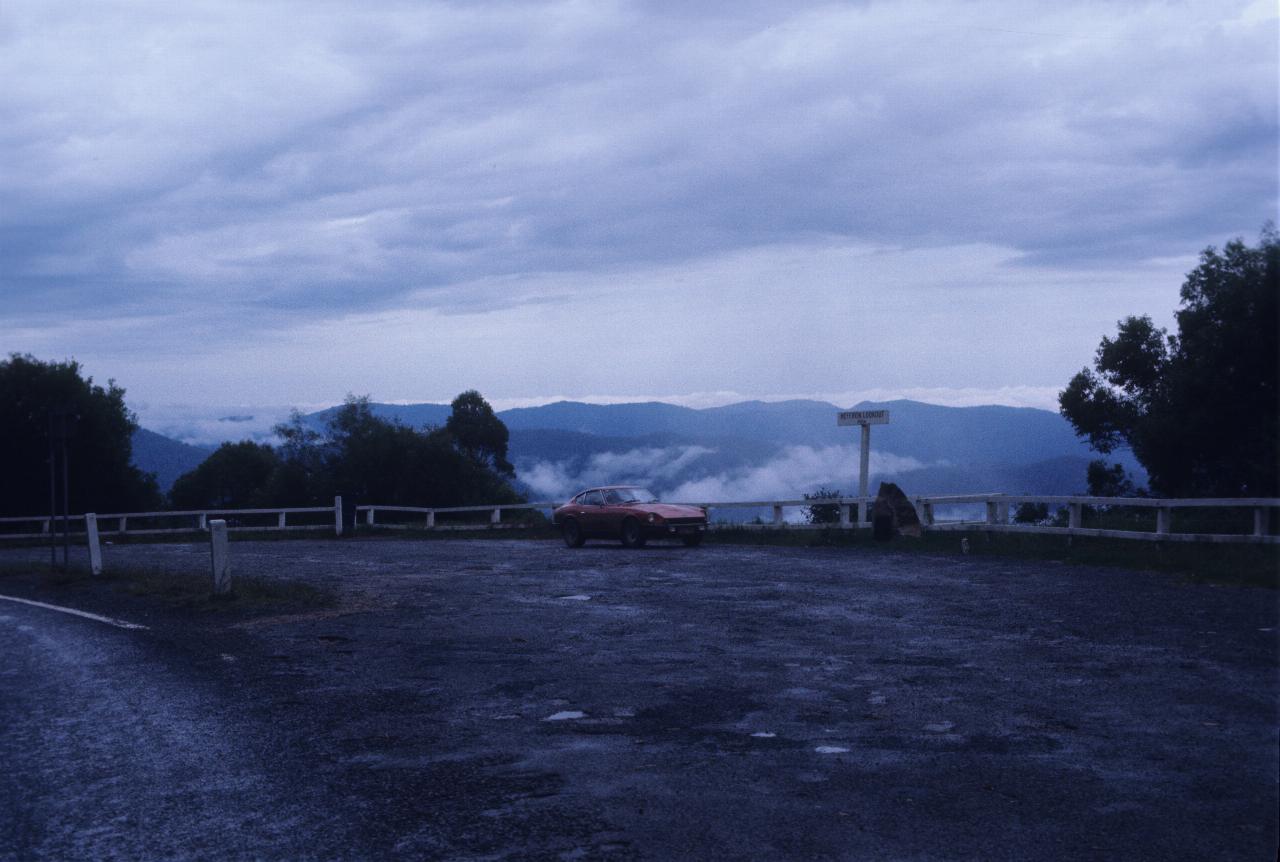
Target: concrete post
(926, 514)
(1002, 513)
(991, 512)
(431, 520)
(280, 521)
(777, 516)
(1259, 521)
(495, 517)
(124, 524)
(221, 557)
(95, 548)
(368, 518)
(844, 516)
(1163, 519)
(337, 516)
(202, 522)
(1073, 515)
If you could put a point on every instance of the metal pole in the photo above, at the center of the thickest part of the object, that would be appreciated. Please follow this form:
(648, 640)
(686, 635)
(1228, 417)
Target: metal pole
(66, 509)
(53, 499)
(863, 463)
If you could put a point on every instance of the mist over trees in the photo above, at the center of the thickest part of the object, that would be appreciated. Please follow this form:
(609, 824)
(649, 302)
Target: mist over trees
(1200, 408)
(362, 458)
(99, 448)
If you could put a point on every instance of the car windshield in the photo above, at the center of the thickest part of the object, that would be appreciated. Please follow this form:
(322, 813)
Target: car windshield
(629, 495)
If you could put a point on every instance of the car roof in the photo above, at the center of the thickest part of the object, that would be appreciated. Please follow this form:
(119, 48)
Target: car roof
(606, 488)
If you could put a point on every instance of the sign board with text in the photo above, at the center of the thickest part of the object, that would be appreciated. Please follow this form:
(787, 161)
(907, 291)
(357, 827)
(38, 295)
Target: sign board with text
(863, 417)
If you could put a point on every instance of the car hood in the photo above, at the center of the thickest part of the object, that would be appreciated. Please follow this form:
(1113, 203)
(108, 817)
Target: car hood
(668, 510)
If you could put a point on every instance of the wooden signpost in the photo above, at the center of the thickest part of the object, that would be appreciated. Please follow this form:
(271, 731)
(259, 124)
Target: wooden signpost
(864, 419)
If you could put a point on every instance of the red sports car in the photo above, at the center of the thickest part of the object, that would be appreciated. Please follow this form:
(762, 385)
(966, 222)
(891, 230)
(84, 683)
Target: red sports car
(628, 513)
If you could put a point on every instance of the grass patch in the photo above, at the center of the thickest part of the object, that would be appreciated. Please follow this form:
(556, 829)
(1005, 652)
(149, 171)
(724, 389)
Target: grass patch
(1243, 565)
(195, 591)
(191, 590)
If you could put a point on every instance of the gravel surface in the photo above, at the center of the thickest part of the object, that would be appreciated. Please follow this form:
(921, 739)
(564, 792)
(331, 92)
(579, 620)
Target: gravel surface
(518, 700)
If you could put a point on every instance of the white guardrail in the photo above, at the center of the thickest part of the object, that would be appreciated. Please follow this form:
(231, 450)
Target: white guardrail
(997, 512)
(997, 507)
(186, 521)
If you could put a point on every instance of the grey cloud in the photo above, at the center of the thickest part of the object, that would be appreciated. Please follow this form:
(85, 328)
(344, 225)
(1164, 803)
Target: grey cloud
(303, 158)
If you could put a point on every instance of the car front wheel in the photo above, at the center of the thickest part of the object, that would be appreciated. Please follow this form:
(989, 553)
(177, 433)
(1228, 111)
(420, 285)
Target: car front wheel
(572, 534)
(632, 537)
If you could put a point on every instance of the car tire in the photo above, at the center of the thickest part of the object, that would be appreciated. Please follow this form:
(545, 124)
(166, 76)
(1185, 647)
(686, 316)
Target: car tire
(632, 535)
(572, 534)
(692, 540)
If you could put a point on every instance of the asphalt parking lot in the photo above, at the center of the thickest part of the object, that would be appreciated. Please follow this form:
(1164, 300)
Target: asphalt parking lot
(499, 699)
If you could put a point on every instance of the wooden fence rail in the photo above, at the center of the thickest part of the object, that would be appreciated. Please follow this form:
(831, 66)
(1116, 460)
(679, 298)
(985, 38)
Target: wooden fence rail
(996, 517)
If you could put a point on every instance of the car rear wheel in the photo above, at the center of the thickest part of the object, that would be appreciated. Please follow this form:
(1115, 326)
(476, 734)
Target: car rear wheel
(632, 537)
(572, 534)
(692, 540)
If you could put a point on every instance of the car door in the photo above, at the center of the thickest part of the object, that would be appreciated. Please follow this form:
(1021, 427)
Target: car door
(591, 519)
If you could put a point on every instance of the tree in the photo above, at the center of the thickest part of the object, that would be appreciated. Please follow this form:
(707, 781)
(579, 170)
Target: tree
(1200, 409)
(479, 433)
(99, 451)
(828, 513)
(236, 475)
(366, 458)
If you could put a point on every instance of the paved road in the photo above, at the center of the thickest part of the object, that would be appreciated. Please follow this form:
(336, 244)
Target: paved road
(511, 700)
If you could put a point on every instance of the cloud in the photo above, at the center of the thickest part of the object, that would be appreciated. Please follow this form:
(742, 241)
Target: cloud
(657, 467)
(679, 473)
(796, 471)
(222, 178)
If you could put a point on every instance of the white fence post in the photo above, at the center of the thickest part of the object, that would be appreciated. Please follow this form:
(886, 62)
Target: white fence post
(1259, 521)
(777, 516)
(431, 519)
(926, 513)
(95, 549)
(1074, 515)
(337, 516)
(1002, 513)
(1163, 517)
(202, 522)
(280, 521)
(124, 524)
(220, 556)
(368, 518)
(844, 516)
(495, 517)
(991, 511)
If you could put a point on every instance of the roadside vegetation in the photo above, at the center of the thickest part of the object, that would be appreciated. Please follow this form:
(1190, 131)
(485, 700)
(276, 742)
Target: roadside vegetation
(1199, 408)
(188, 590)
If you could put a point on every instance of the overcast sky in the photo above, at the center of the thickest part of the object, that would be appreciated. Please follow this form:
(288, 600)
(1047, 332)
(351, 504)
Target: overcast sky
(279, 203)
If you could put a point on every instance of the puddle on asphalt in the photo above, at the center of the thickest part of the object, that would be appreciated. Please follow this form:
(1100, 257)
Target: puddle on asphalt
(576, 598)
(939, 727)
(831, 749)
(764, 734)
(566, 715)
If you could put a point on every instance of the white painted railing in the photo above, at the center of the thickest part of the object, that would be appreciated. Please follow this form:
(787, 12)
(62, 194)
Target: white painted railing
(997, 513)
(427, 516)
(998, 508)
(194, 520)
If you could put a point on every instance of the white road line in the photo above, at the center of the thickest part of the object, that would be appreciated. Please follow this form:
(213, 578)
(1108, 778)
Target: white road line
(120, 624)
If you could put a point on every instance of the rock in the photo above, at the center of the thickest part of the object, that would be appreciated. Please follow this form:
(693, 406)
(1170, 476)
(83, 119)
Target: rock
(893, 514)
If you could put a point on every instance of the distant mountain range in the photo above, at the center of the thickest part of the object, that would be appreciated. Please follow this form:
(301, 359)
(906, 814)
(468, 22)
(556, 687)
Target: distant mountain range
(750, 450)
(165, 457)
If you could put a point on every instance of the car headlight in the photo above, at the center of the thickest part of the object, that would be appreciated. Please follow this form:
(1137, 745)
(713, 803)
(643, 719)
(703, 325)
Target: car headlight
(653, 519)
